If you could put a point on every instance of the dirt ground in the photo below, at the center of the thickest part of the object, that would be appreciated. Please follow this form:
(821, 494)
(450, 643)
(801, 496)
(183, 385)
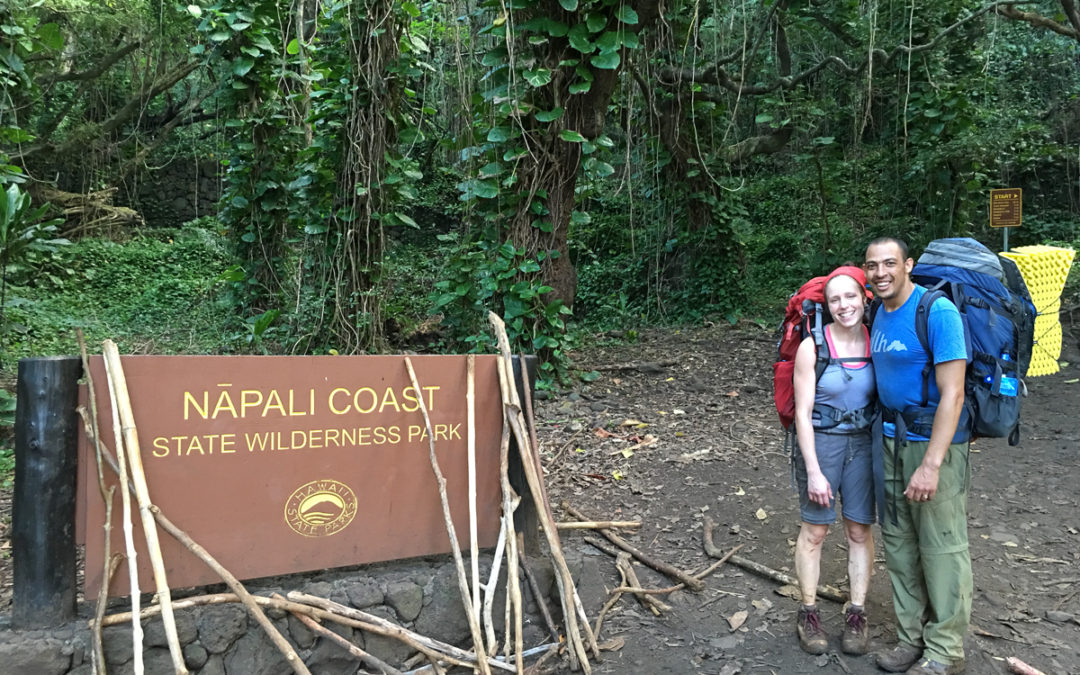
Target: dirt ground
(705, 396)
(680, 426)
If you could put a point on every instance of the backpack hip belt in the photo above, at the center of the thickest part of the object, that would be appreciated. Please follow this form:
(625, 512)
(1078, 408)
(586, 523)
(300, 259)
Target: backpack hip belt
(828, 417)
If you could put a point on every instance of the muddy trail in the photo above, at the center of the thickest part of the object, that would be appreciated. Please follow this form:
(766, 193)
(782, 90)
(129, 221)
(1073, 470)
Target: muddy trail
(680, 429)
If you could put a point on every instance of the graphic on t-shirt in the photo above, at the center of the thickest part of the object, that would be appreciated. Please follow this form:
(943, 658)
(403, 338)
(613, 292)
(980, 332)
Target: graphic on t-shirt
(881, 344)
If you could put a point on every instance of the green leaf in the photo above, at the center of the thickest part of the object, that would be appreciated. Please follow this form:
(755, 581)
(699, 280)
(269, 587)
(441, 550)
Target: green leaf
(293, 48)
(608, 41)
(538, 77)
(591, 376)
(549, 115)
(627, 15)
(411, 9)
(571, 136)
(762, 118)
(569, 5)
(407, 220)
(824, 140)
(50, 36)
(414, 174)
(315, 228)
(629, 40)
(495, 57)
(603, 169)
(580, 87)
(606, 60)
(486, 188)
(194, 10)
(932, 112)
(243, 65)
(579, 39)
(498, 134)
(595, 22)
(580, 218)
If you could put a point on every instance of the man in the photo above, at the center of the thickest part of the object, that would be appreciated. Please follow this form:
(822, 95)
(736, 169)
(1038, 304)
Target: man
(924, 527)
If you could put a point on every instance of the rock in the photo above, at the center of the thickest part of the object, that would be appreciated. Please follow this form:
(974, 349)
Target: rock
(1058, 617)
(598, 406)
(186, 630)
(329, 656)
(585, 570)
(117, 644)
(215, 665)
(406, 598)
(254, 654)
(303, 636)
(321, 589)
(195, 656)
(443, 617)
(364, 594)
(155, 660)
(220, 626)
(41, 657)
(388, 649)
(84, 669)
(544, 573)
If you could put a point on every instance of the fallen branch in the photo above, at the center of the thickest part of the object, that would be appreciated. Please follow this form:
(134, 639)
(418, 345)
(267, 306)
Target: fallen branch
(654, 605)
(823, 590)
(1020, 668)
(643, 366)
(463, 582)
(118, 385)
(366, 658)
(381, 626)
(699, 575)
(597, 524)
(660, 566)
(615, 595)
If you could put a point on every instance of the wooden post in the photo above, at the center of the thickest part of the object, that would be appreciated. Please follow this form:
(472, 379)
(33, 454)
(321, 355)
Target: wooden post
(526, 520)
(43, 506)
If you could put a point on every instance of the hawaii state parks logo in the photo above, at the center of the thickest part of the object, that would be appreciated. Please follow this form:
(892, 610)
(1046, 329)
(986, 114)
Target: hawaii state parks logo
(320, 508)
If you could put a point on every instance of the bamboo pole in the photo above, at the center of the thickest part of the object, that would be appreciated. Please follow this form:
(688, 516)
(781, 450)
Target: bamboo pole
(568, 594)
(510, 503)
(115, 371)
(470, 405)
(129, 534)
(463, 584)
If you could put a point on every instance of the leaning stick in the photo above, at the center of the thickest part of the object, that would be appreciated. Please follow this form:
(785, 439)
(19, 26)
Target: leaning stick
(597, 524)
(823, 590)
(368, 659)
(109, 561)
(489, 588)
(658, 565)
(118, 383)
(470, 405)
(568, 593)
(540, 602)
(233, 583)
(129, 534)
(510, 502)
(463, 583)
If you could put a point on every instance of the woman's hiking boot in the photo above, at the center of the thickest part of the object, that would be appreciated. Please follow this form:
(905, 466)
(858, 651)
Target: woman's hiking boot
(855, 631)
(812, 637)
(899, 658)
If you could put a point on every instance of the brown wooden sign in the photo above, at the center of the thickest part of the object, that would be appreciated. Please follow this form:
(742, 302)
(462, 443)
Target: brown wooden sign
(1006, 207)
(287, 464)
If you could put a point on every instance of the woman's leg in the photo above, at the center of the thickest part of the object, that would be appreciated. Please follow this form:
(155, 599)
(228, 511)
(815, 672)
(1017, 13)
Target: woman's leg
(808, 559)
(860, 559)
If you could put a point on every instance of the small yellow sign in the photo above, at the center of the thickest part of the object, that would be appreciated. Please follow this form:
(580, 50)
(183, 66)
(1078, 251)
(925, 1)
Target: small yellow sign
(1006, 207)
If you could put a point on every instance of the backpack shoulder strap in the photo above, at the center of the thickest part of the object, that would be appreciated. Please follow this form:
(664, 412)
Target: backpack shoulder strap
(821, 345)
(922, 331)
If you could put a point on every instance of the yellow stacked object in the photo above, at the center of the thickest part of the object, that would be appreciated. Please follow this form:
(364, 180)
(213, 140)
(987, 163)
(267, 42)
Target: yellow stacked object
(1044, 269)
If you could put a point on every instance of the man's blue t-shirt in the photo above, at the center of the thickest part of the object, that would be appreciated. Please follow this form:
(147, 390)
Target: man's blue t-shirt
(899, 357)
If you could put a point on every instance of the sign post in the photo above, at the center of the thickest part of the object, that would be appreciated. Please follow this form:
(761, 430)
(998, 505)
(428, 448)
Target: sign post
(1006, 210)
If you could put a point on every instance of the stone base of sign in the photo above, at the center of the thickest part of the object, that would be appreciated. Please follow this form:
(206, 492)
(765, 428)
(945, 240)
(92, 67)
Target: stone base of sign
(421, 595)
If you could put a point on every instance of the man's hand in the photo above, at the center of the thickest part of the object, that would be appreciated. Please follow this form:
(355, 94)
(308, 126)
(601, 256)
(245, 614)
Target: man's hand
(923, 484)
(818, 488)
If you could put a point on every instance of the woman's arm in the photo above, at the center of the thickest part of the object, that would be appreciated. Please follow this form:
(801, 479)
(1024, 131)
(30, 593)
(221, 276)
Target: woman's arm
(818, 487)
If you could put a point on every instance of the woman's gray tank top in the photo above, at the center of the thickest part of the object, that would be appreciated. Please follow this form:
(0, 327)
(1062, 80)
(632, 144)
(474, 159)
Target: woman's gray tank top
(847, 387)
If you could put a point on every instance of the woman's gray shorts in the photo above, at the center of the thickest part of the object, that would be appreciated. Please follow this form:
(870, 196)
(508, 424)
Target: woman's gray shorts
(847, 463)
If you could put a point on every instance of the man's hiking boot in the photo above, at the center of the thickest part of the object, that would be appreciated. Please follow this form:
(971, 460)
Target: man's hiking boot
(932, 667)
(855, 631)
(812, 637)
(899, 658)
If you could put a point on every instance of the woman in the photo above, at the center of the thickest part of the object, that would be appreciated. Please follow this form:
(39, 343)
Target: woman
(832, 422)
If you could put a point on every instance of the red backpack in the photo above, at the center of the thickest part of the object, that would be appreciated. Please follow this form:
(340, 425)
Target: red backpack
(806, 315)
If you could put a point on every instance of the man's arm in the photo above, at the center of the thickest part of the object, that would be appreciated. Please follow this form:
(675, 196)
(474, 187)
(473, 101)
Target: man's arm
(950, 382)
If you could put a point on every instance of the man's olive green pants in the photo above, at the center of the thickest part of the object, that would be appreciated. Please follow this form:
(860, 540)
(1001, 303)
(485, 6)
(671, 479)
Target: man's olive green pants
(926, 552)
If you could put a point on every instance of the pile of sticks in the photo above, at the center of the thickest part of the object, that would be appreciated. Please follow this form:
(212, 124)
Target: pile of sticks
(126, 464)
